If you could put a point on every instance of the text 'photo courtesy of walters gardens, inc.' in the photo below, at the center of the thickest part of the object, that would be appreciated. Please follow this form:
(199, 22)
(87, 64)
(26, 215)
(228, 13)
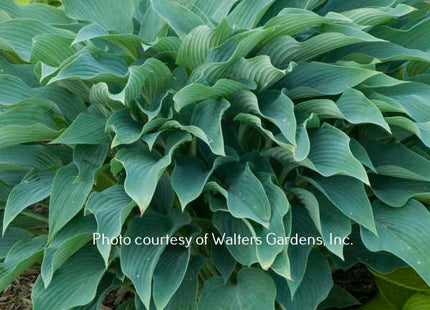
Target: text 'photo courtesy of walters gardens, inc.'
(220, 240)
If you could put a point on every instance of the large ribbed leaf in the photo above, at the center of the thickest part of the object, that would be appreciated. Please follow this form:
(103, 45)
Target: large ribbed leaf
(11, 236)
(65, 243)
(144, 168)
(74, 284)
(67, 198)
(138, 262)
(313, 79)
(104, 67)
(14, 90)
(229, 226)
(28, 156)
(315, 287)
(176, 13)
(349, 196)
(21, 256)
(27, 29)
(186, 296)
(327, 219)
(197, 92)
(85, 129)
(357, 109)
(403, 232)
(196, 45)
(246, 197)
(248, 13)
(169, 274)
(146, 80)
(111, 14)
(35, 187)
(41, 12)
(396, 192)
(336, 160)
(254, 290)
(421, 130)
(110, 208)
(396, 160)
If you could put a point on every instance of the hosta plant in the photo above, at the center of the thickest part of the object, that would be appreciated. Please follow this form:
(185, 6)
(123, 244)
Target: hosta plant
(275, 126)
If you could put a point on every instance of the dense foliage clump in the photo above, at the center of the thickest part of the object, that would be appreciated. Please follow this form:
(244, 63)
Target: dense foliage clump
(263, 120)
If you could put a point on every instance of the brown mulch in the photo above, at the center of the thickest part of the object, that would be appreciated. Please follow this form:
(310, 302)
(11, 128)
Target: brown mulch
(17, 296)
(358, 281)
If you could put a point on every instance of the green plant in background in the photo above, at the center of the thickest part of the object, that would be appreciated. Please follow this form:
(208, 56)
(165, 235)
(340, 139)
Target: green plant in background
(191, 117)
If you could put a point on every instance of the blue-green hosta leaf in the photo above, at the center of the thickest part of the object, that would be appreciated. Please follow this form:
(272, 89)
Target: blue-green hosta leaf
(315, 78)
(51, 49)
(324, 108)
(128, 42)
(396, 192)
(178, 16)
(127, 130)
(27, 123)
(152, 26)
(195, 47)
(254, 290)
(35, 187)
(144, 168)
(383, 262)
(42, 12)
(103, 67)
(74, 284)
(412, 97)
(223, 261)
(66, 242)
(146, 80)
(67, 198)
(88, 159)
(139, 262)
(14, 90)
(382, 51)
(338, 298)
(228, 227)
(111, 208)
(258, 69)
(257, 123)
(421, 130)
(360, 153)
(189, 178)
(357, 109)
(186, 296)
(328, 220)
(267, 253)
(336, 160)
(11, 236)
(111, 14)
(21, 256)
(341, 6)
(196, 92)
(26, 157)
(411, 38)
(349, 196)
(285, 49)
(404, 232)
(302, 137)
(223, 56)
(246, 197)
(16, 35)
(291, 21)
(248, 13)
(376, 16)
(207, 116)
(169, 274)
(315, 287)
(85, 129)
(396, 160)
